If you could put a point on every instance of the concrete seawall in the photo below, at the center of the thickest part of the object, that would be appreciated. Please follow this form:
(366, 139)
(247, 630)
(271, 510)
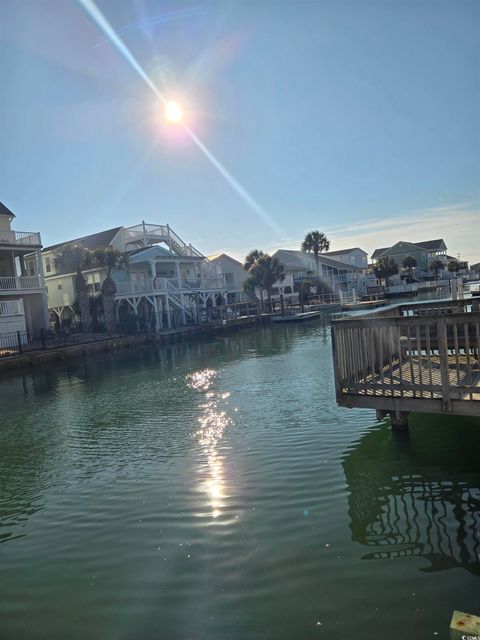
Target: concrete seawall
(34, 358)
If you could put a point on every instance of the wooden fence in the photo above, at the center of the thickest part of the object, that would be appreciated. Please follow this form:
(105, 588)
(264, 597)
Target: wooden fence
(425, 360)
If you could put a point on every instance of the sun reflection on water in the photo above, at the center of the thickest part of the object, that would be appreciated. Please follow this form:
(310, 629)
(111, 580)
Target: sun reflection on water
(212, 424)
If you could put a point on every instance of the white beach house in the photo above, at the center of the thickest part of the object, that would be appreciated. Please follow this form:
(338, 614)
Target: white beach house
(23, 302)
(165, 282)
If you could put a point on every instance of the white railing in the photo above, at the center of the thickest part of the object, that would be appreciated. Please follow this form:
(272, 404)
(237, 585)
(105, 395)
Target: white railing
(170, 284)
(11, 308)
(28, 238)
(12, 283)
(148, 234)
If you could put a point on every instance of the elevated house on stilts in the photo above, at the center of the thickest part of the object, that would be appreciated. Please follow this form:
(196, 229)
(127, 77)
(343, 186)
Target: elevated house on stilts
(166, 282)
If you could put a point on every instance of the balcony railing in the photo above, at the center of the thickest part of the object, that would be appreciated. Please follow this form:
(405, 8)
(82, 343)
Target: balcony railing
(23, 238)
(11, 308)
(19, 283)
(164, 284)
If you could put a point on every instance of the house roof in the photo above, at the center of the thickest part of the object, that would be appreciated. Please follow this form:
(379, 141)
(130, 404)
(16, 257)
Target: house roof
(300, 259)
(430, 245)
(378, 252)
(93, 241)
(340, 251)
(5, 211)
(217, 256)
(144, 253)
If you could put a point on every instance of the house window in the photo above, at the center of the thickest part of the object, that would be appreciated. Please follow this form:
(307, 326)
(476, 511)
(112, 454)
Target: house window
(59, 286)
(97, 286)
(32, 269)
(48, 266)
(229, 278)
(287, 290)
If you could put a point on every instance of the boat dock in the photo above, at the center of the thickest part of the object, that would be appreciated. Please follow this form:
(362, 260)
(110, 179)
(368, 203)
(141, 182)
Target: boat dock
(413, 357)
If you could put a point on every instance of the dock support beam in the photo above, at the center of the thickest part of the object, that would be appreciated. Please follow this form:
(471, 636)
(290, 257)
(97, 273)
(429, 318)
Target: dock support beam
(398, 419)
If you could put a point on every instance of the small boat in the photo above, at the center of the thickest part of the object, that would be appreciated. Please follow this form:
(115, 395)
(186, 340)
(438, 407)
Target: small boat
(297, 317)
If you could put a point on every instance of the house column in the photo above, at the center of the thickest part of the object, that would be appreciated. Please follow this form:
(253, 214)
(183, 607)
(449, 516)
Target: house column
(167, 308)
(177, 264)
(153, 269)
(41, 276)
(158, 317)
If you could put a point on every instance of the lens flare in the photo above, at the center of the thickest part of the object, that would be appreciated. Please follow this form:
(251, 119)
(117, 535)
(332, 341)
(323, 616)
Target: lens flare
(97, 16)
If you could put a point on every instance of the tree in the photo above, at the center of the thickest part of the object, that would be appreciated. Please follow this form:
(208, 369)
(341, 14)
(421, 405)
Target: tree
(436, 266)
(251, 258)
(75, 259)
(268, 270)
(453, 266)
(315, 242)
(110, 259)
(384, 268)
(409, 265)
(263, 272)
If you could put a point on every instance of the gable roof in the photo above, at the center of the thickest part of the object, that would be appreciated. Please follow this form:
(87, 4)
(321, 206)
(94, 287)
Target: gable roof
(217, 256)
(93, 241)
(340, 251)
(429, 245)
(146, 253)
(432, 245)
(5, 211)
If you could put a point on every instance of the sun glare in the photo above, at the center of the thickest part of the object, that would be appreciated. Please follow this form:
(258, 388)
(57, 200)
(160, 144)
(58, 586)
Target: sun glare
(173, 112)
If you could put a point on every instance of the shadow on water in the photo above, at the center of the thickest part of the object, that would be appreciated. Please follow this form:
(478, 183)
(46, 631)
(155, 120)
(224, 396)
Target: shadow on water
(418, 493)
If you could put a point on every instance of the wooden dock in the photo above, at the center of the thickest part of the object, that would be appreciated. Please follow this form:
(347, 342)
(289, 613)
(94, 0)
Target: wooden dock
(412, 357)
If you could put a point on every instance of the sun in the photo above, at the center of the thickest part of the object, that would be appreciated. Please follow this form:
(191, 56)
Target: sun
(173, 112)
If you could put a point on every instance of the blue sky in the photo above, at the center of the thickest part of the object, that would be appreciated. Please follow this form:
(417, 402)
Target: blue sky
(355, 117)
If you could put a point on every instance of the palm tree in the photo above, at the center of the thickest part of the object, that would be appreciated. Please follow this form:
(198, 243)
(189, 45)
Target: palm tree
(110, 259)
(263, 272)
(315, 242)
(269, 271)
(409, 265)
(75, 259)
(384, 268)
(251, 258)
(453, 266)
(436, 266)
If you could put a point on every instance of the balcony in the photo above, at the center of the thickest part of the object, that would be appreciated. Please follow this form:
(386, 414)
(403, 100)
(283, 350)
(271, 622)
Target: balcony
(11, 308)
(162, 285)
(20, 238)
(20, 284)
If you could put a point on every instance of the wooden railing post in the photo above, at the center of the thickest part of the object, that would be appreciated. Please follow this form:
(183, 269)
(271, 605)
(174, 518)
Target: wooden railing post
(444, 371)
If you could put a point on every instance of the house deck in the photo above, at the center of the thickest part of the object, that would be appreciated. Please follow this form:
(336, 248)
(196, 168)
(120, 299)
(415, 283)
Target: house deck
(422, 358)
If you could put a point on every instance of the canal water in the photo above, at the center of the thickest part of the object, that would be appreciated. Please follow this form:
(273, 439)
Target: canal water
(215, 491)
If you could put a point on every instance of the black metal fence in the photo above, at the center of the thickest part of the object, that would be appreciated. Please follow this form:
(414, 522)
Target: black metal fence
(70, 334)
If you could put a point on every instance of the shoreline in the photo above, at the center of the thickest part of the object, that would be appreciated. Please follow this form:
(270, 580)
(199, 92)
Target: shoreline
(27, 361)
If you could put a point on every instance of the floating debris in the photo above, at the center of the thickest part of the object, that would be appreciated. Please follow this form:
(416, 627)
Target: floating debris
(465, 622)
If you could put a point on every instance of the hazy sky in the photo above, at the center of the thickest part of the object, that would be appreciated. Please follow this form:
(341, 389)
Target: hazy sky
(356, 117)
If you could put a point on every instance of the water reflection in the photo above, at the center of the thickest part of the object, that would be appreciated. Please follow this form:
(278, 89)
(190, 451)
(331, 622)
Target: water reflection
(418, 495)
(212, 423)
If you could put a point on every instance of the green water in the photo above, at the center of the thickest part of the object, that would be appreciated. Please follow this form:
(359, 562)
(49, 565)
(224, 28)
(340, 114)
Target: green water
(215, 491)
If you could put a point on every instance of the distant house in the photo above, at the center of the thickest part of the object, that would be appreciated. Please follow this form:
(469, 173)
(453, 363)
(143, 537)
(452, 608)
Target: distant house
(423, 252)
(475, 268)
(335, 275)
(23, 302)
(356, 257)
(166, 280)
(234, 274)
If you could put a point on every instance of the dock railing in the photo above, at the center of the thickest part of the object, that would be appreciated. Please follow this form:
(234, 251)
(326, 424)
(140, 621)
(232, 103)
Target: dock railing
(410, 358)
